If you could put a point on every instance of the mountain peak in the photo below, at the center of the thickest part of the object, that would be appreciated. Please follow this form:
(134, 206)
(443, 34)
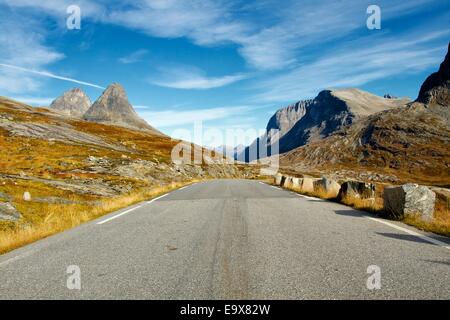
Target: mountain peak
(436, 88)
(113, 107)
(73, 103)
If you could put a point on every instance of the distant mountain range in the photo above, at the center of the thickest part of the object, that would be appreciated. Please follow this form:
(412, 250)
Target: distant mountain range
(112, 108)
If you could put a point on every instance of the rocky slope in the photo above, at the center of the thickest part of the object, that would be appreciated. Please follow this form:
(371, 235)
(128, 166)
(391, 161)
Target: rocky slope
(112, 107)
(73, 103)
(331, 111)
(63, 161)
(312, 120)
(436, 88)
(409, 143)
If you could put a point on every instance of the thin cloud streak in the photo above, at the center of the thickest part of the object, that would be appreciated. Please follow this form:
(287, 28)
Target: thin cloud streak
(173, 118)
(50, 75)
(354, 67)
(134, 57)
(201, 83)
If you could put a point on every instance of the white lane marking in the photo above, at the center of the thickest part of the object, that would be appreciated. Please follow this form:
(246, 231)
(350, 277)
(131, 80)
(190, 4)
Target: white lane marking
(183, 188)
(421, 236)
(129, 210)
(278, 188)
(119, 215)
(261, 182)
(23, 255)
(148, 202)
(310, 198)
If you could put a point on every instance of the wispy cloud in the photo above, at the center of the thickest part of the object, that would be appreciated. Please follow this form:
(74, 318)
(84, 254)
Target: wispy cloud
(355, 66)
(21, 47)
(183, 77)
(134, 57)
(49, 75)
(266, 44)
(173, 118)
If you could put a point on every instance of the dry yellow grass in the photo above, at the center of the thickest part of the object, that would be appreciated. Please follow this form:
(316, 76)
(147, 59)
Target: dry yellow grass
(320, 193)
(441, 222)
(370, 205)
(439, 225)
(57, 218)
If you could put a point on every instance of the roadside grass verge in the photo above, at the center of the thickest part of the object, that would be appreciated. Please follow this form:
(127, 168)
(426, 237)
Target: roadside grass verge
(439, 225)
(374, 205)
(59, 217)
(319, 193)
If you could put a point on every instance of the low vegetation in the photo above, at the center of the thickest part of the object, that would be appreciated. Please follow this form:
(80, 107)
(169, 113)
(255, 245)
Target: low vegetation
(72, 181)
(46, 219)
(439, 225)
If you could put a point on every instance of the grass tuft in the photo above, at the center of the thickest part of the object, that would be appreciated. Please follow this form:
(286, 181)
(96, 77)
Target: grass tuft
(57, 217)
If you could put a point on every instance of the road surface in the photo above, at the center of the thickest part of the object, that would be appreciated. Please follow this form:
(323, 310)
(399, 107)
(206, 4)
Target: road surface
(230, 239)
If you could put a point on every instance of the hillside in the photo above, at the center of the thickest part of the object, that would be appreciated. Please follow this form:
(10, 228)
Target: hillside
(312, 120)
(74, 170)
(409, 143)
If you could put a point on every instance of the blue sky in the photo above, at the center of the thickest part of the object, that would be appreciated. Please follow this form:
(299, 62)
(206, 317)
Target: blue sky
(230, 64)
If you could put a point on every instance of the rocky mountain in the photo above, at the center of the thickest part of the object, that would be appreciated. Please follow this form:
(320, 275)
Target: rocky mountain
(312, 120)
(407, 143)
(330, 111)
(113, 107)
(73, 103)
(285, 118)
(436, 88)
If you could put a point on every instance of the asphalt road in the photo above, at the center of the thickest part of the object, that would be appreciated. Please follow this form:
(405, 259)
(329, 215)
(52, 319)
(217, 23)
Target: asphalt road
(230, 239)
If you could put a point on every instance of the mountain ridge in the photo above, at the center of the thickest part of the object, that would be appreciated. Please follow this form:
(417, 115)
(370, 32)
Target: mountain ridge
(409, 142)
(314, 119)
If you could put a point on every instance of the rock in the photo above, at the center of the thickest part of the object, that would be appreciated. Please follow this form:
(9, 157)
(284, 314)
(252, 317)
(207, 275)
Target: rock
(26, 196)
(409, 200)
(113, 107)
(436, 88)
(315, 119)
(296, 183)
(357, 189)
(307, 185)
(330, 187)
(288, 182)
(8, 212)
(73, 103)
(63, 133)
(278, 178)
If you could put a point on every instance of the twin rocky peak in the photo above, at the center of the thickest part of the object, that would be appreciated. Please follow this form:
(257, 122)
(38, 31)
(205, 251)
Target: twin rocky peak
(112, 108)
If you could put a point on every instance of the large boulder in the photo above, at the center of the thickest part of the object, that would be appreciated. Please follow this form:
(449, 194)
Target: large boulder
(8, 212)
(307, 185)
(278, 179)
(409, 200)
(288, 182)
(357, 189)
(296, 183)
(329, 186)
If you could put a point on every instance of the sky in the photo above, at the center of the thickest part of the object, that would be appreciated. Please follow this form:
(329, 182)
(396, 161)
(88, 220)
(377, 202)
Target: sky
(219, 64)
